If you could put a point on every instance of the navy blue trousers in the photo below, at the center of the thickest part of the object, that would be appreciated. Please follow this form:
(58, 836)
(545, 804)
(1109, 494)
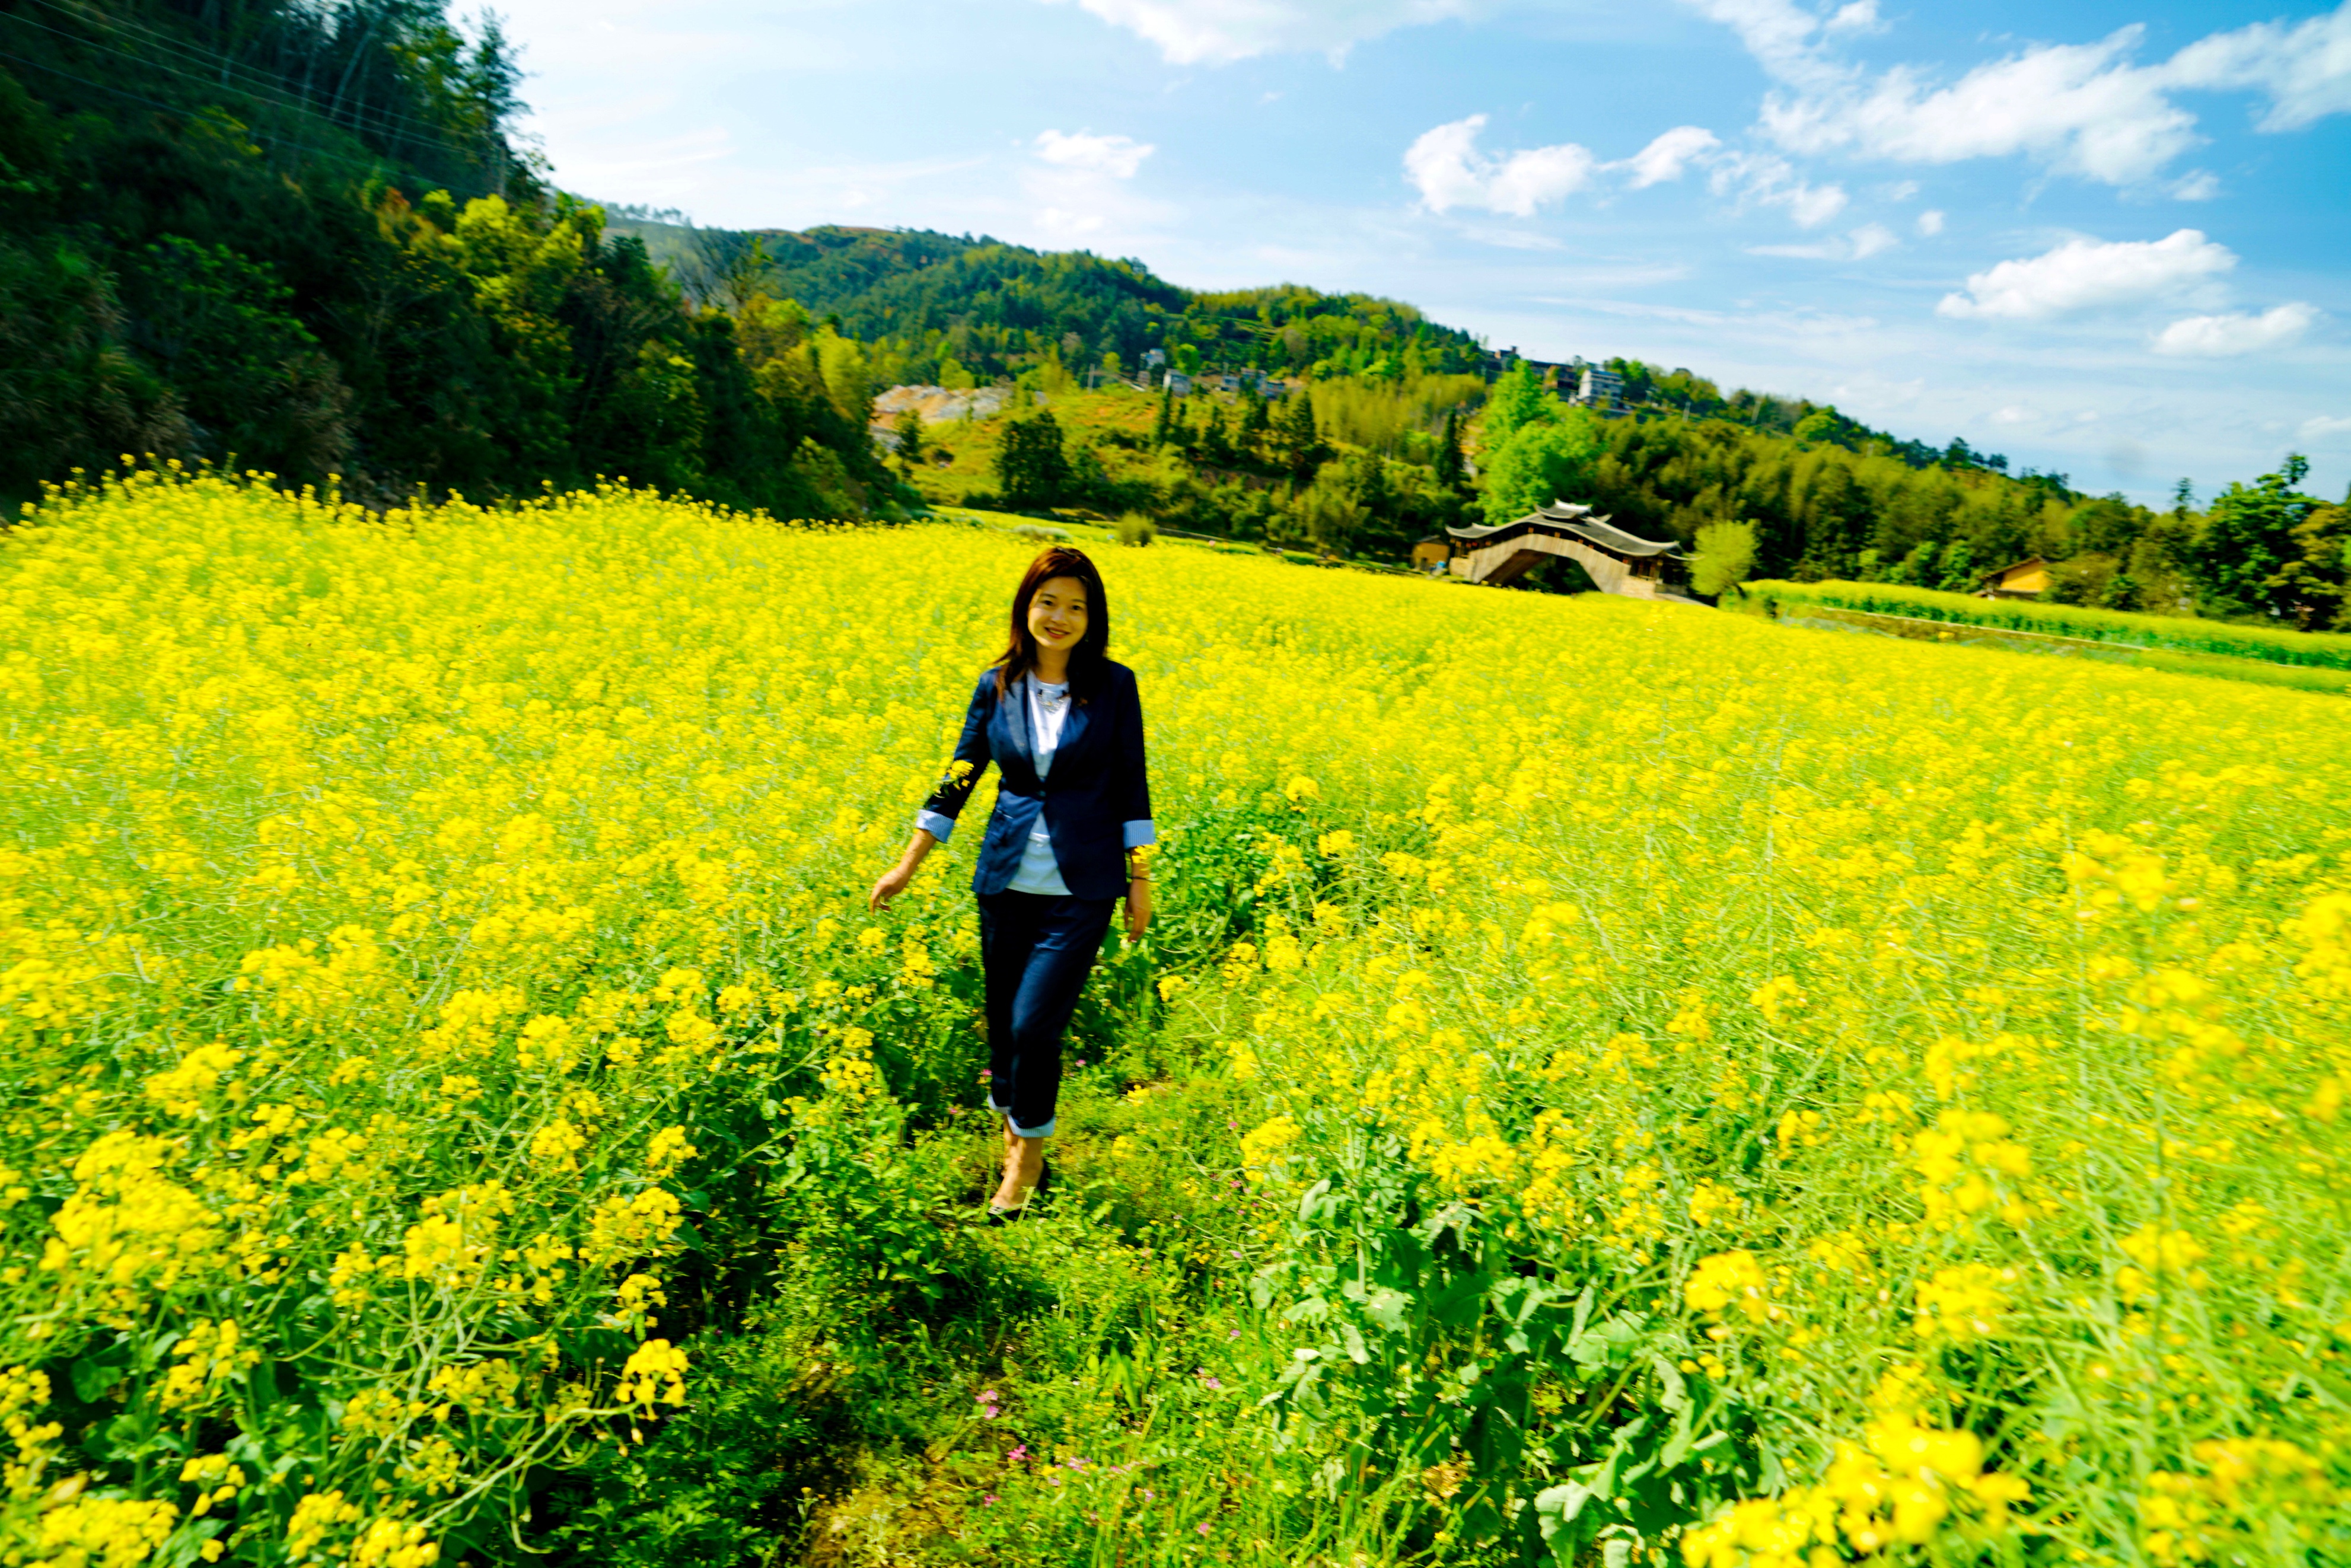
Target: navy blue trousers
(1035, 952)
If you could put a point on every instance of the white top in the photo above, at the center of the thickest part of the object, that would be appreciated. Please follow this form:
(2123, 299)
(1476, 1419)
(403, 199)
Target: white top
(1049, 710)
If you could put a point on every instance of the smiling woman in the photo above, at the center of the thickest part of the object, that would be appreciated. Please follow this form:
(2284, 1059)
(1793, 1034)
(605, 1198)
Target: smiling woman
(1052, 706)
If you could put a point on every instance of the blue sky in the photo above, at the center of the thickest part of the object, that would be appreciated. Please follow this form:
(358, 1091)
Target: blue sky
(2104, 238)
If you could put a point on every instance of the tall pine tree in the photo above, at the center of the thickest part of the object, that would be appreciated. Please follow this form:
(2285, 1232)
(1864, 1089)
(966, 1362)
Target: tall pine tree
(1452, 469)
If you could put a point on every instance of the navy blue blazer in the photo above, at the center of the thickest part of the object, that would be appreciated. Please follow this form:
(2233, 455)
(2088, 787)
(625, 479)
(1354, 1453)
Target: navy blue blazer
(1096, 787)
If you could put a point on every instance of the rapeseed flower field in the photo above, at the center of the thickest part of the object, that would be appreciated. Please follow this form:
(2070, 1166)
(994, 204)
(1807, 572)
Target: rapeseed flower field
(1613, 1083)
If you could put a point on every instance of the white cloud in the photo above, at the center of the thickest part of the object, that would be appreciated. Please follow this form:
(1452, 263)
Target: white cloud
(1219, 32)
(1667, 155)
(1870, 239)
(2238, 333)
(2088, 109)
(2083, 274)
(1762, 180)
(1446, 168)
(2073, 106)
(2323, 428)
(2200, 185)
(1930, 221)
(1077, 188)
(1783, 37)
(1860, 16)
(1116, 156)
(2305, 69)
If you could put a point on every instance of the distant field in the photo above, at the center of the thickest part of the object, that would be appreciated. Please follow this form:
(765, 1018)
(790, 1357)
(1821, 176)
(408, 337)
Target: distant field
(1117, 411)
(2215, 666)
(1611, 1083)
(2180, 633)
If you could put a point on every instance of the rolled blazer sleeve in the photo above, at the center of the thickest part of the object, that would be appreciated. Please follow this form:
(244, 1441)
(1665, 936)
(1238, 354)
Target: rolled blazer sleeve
(972, 757)
(1133, 792)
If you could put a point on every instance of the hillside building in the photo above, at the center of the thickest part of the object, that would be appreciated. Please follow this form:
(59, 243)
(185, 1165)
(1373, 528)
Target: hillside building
(1599, 388)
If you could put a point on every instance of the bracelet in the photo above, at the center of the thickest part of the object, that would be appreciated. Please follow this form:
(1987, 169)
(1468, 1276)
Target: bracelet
(1138, 876)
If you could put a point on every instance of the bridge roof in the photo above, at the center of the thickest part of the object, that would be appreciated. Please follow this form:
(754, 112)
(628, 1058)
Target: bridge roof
(1561, 517)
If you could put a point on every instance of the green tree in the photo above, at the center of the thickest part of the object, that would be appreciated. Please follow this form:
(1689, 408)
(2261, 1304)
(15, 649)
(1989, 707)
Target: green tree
(1215, 441)
(1301, 446)
(911, 439)
(2238, 559)
(1836, 518)
(2318, 581)
(220, 328)
(1540, 462)
(1517, 401)
(1328, 511)
(1726, 555)
(1452, 469)
(1031, 468)
(1257, 425)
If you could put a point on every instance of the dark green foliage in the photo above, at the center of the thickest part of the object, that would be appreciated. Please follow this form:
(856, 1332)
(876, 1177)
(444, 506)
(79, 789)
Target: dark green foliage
(71, 393)
(296, 238)
(923, 299)
(910, 438)
(1300, 447)
(1452, 468)
(1031, 469)
(220, 328)
(2267, 547)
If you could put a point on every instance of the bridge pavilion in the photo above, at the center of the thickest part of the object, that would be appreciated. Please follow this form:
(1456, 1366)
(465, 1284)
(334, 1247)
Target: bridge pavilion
(1618, 562)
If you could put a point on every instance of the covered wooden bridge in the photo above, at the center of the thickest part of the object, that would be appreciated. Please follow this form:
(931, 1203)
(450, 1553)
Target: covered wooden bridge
(1618, 562)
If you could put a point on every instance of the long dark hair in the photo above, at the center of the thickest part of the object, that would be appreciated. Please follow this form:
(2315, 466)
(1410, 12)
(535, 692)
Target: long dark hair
(1093, 651)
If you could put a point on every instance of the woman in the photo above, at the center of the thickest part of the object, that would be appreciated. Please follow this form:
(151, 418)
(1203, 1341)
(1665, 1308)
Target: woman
(1066, 841)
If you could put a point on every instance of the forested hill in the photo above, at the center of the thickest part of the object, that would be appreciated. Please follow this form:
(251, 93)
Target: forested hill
(933, 306)
(293, 234)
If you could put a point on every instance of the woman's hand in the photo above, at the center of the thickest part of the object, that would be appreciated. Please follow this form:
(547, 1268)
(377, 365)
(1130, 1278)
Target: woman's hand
(894, 883)
(1138, 908)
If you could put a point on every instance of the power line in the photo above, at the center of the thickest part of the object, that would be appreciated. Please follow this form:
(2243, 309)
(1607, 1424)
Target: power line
(438, 142)
(261, 84)
(372, 165)
(241, 88)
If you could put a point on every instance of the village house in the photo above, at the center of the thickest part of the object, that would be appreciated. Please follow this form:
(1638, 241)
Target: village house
(2024, 580)
(1603, 390)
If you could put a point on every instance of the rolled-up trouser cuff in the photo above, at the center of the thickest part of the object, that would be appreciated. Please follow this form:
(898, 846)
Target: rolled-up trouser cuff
(1018, 1130)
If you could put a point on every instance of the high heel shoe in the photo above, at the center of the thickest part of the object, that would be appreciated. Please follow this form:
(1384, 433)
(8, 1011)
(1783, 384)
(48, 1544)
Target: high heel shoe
(999, 1216)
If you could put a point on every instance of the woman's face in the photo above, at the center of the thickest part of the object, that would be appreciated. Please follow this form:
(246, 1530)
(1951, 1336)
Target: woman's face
(1057, 614)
